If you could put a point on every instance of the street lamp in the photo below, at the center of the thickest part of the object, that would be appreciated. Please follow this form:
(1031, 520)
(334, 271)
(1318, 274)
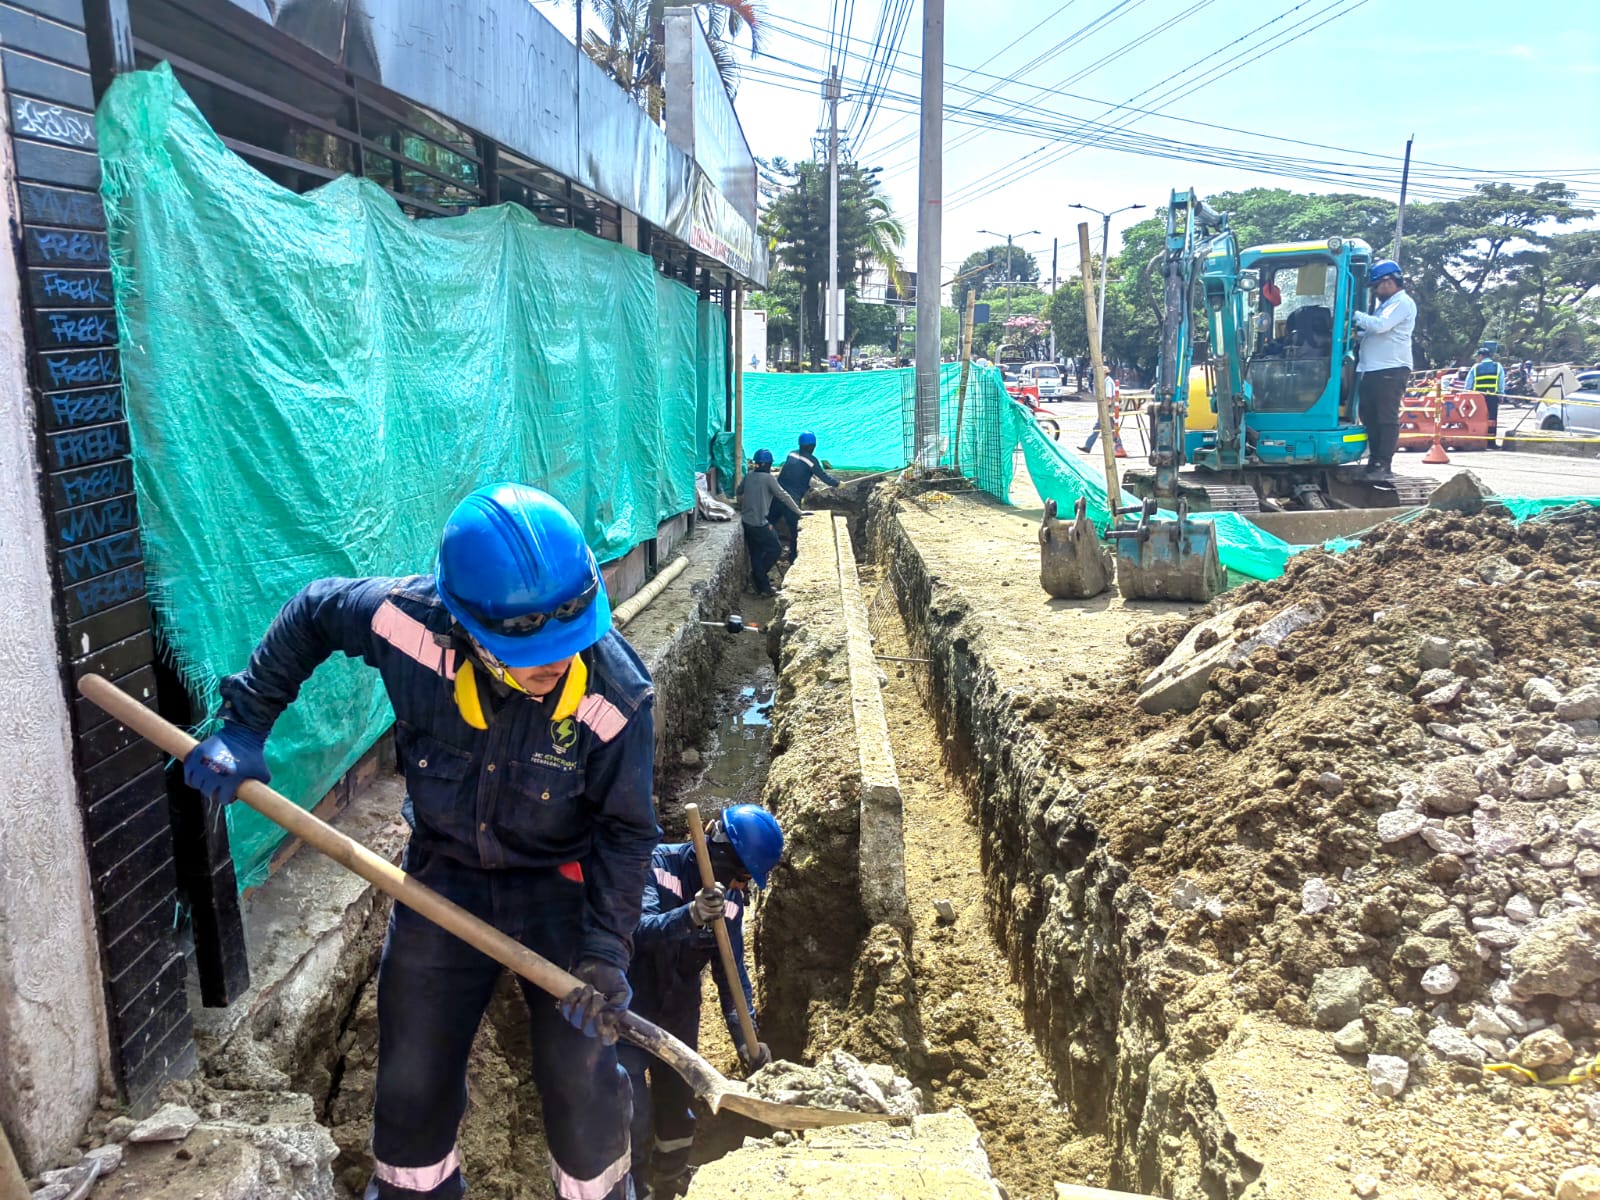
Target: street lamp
(1008, 237)
(1105, 257)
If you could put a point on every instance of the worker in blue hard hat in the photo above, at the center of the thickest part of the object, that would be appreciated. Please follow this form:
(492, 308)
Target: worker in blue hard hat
(1385, 362)
(759, 496)
(675, 944)
(795, 477)
(524, 725)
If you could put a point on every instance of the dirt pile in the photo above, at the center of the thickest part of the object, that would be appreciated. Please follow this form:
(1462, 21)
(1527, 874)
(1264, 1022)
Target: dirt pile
(1387, 826)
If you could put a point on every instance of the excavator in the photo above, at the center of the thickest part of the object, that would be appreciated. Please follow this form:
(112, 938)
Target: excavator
(1271, 328)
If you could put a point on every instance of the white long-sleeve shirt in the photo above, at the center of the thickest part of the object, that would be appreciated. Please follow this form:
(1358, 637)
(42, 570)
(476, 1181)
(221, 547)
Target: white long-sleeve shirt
(1386, 334)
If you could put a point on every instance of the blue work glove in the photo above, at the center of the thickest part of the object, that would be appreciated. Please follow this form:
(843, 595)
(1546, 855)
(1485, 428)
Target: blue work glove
(218, 765)
(595, 1006)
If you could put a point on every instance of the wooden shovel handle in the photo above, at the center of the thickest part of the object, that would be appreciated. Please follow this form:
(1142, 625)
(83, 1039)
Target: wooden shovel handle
(719, 928)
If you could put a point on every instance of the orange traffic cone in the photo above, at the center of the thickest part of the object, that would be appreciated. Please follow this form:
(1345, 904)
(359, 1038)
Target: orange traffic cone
(1436, 456)
(1120, 451)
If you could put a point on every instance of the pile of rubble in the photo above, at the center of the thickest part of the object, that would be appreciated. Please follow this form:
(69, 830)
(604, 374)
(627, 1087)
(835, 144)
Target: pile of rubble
(839, 1081)
(1370, 790)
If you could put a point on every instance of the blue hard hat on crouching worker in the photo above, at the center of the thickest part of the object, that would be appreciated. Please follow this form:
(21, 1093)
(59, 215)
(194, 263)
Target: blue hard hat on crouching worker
(756, 838)
(764, 458)
(515, 571)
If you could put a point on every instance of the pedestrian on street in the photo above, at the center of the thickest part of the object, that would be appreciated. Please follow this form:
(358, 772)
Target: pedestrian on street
(524, 725)
(759, 494)
(1385, 362)
(1488, 379)
(675, 945)
(794, 477)
(1113, 390)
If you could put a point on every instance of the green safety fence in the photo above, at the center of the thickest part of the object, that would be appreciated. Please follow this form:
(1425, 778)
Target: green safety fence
(313, 381)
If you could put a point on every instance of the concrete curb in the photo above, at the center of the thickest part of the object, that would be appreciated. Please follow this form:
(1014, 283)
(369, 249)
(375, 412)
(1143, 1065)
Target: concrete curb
(882, 851)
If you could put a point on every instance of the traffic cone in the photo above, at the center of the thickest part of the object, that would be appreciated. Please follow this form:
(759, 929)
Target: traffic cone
(1120, 450)
(1436, 457)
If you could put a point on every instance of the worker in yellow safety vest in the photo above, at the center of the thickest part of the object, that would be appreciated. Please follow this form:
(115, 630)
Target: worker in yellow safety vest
(1488, 379)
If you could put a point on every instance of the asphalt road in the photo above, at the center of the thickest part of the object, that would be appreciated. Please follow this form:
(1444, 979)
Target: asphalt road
(1509, 474)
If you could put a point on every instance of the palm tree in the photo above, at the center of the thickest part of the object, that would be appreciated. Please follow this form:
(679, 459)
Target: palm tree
(625, 47)
(886, 237)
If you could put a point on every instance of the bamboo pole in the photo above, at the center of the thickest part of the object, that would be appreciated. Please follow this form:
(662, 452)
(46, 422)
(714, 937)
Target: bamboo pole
(1107, 435)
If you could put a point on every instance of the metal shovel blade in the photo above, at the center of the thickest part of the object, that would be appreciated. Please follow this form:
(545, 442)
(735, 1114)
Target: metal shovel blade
(1073, 563)
(722, 1093)
(708, 1084)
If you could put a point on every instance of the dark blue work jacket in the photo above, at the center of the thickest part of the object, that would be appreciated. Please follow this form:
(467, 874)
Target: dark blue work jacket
(670, 952)
(529, 791)
(795, 475)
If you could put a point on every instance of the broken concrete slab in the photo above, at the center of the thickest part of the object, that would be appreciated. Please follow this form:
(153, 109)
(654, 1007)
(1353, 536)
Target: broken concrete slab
(940, 1157)
(1180, 681)
(1463, 492)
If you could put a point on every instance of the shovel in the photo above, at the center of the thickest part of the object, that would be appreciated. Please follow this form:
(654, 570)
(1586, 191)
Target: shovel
(715, 1089)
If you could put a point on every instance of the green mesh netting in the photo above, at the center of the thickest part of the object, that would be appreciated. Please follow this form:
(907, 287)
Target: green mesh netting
(313, 381)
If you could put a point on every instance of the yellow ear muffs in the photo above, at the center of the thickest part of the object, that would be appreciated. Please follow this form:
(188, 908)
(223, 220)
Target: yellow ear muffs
(468, 700)
(572, 692)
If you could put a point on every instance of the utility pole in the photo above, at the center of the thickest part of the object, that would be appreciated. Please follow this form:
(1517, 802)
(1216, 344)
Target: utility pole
(930, 212)
(1105, 258)
(1055, 255)
(1400, 214)
(835, 319)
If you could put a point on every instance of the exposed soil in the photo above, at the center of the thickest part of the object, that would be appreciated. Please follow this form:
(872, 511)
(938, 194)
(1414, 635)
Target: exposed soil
(1147, 875)
(980, 1055)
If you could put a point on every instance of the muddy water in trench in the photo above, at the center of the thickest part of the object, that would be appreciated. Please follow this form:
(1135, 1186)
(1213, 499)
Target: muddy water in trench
(502, 1137)
(981, 1057)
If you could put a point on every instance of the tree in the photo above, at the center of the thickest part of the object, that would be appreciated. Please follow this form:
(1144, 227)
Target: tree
(983, 270)
(795, 224)
(626, 48)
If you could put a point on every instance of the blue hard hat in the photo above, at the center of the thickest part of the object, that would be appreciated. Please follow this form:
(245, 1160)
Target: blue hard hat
(756, 839)
(764, 458)
(1382, 269)
(515, 571)
(808, 439)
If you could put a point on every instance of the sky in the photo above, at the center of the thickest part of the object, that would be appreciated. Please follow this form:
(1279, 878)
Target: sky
(1210, 94)
(1486, 90)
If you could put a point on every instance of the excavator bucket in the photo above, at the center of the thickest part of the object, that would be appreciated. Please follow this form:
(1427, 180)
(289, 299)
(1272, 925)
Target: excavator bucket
(1073, 563)
(1168, 559)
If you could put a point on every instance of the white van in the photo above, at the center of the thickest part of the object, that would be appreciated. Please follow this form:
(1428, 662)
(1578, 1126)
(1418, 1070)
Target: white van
(1044, 379)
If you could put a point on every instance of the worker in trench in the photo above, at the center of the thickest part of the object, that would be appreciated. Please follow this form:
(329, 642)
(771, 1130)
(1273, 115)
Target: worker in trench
(795, 477)
(524, 724)
(674, 945)
(759, 496)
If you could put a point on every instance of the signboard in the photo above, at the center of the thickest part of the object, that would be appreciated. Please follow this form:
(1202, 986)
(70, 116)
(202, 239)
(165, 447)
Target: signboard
(700, 117)
(755, 340)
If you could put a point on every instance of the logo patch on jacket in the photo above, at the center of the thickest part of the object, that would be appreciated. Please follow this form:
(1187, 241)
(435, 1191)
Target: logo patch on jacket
(563, 734)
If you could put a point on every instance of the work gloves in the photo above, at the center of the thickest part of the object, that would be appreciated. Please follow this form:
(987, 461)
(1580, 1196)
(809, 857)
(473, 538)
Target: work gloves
(763, 1056)
(218, 765)
(708, 905)
(595, 1007)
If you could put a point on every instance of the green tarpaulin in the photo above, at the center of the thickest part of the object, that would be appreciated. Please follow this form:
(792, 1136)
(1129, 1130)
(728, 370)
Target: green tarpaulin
(313, 381)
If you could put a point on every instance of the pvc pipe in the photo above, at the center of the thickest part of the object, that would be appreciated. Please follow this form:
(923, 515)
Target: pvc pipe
(636, 603)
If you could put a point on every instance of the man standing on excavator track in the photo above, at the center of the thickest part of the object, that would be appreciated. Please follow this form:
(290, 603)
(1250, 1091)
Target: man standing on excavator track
(524, 724)
(1385, 362)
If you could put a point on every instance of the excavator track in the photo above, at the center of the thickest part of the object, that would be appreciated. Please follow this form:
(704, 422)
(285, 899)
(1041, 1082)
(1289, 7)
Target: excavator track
(1350, 487)
(1342, 487)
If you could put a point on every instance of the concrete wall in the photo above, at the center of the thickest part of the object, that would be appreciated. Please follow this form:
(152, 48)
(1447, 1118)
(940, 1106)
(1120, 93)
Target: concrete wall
(54, 1055)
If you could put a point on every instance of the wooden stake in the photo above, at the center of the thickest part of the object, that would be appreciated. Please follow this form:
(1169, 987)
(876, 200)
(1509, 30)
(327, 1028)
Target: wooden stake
(1107, 435)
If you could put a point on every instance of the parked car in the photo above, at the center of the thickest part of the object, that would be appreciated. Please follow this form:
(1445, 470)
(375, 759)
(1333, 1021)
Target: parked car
(1043, 380)
(1576, 413)
(1589, 381)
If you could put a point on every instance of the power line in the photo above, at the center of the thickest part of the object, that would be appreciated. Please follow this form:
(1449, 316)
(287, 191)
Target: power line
(1441, 170)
